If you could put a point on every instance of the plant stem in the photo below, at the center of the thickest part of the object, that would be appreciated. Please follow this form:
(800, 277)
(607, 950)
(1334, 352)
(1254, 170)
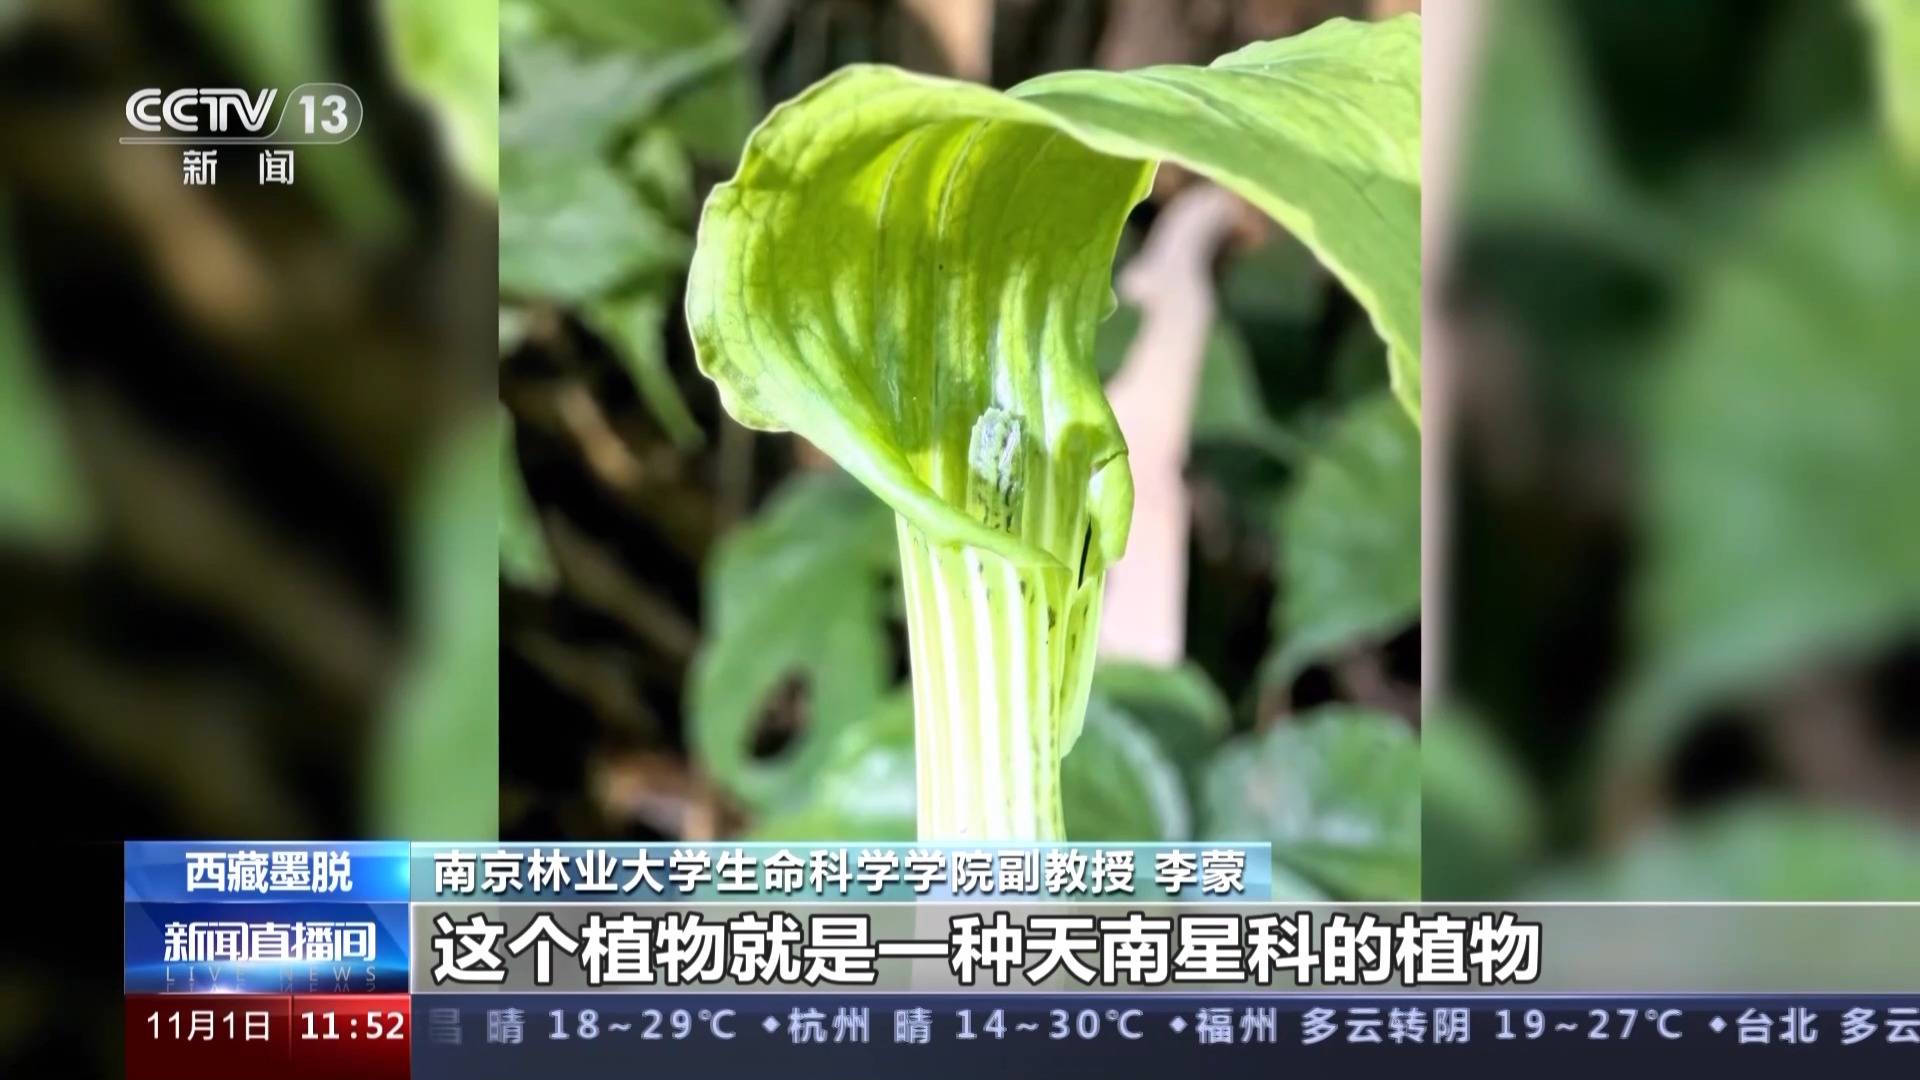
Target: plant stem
(1002, 659)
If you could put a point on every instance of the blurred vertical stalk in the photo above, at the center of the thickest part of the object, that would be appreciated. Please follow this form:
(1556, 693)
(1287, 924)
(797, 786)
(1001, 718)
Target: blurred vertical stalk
(1896, 26)
(42, 497)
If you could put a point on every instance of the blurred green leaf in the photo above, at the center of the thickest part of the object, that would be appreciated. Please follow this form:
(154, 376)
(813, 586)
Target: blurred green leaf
(435, 761)
(1354, 370)
(634, 325)
(524, 558)
(714, 103)
(450, 51)
(1896, 25)
(1480, 819)
(1276, 283)
(1756, 851)
(567, 103)
(573, 225)
(42, 498)
(1537, 153)
(1349, 540)
(1179, 706)
(562, 106)
(798, 593)
(1227, 404)
(284, 44)
(1275, 299)
(864, 789)
(572, 230)
(1118, 783)
(660, 168)
(585, 223)
(1779, 518)
(642, 24)
(1337, 793)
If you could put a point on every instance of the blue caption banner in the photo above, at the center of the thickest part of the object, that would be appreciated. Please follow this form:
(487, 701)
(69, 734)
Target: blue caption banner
(692, 873)
(205, 871)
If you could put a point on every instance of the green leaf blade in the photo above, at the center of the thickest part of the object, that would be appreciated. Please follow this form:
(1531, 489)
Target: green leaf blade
(1778, 511)
(1350, 540)
(694, 43)
(1321, 131)
(571, 234)
(1337, 793)
(1121, 785)
(633, 325)
(435, 760)
(524, 557)
(821, 548)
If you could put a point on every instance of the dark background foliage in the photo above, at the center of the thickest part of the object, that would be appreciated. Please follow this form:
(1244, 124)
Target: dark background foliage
(1679, 609)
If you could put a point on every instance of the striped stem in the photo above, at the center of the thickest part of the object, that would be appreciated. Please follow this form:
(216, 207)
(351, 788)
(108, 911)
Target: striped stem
(1002, 656)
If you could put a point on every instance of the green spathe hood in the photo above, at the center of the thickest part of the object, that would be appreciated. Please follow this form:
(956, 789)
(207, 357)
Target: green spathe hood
(899, 254)
(908, 271)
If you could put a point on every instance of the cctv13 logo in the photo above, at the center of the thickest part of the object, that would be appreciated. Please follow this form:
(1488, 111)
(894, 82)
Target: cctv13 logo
(313, 114)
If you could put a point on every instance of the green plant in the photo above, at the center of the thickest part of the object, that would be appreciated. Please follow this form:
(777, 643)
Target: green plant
(1896, 40)
(1700, 580)
(908, 271)
(605, 111)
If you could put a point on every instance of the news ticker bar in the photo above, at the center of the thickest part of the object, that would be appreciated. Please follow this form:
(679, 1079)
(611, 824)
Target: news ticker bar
(394, 918)
(937, 1036)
